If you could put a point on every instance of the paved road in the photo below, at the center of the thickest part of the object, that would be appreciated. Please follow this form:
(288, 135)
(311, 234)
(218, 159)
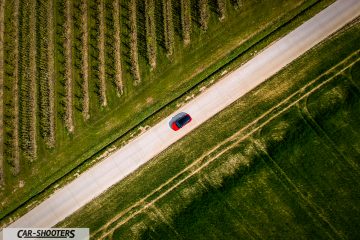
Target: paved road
(234, 85)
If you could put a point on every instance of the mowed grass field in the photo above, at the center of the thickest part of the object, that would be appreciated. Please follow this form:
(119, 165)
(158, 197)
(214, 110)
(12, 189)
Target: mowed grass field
(284, 163)
(63, 97)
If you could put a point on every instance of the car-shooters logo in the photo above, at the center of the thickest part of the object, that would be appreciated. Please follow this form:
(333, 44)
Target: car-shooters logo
(45, 233)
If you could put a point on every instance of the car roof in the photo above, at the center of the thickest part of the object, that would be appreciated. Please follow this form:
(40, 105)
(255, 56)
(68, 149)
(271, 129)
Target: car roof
(183, 120)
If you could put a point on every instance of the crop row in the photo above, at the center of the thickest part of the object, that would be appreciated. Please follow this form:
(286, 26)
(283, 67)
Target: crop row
(45, 71)
(237, 3)
(27, 79)
(221, 9)
(2, 6)
(117, 47)
(77, 47)
(134, 58)
(169, 37)
(96, 49)
(11, 92)
(64, 60)
(150, 32)
(69, 118)
(80, 58)
(204, 14)
(101, 46)
(186, 20)
(84, 60)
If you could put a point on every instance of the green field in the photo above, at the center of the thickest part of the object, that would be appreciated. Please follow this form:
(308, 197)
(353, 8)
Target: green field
(288, 168)
(31, 162)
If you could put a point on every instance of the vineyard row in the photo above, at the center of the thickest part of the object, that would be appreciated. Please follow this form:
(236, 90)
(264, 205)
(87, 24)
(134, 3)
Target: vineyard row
(56, 53)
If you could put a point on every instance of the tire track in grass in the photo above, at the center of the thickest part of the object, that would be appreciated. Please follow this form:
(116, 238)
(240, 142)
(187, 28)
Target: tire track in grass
(243, 133)
(290, 186)
(2, 132)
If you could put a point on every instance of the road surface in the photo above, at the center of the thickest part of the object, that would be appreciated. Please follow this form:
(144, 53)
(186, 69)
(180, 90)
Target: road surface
(117, 166)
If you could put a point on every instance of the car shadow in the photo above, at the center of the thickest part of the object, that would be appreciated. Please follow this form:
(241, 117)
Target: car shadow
(176, 117)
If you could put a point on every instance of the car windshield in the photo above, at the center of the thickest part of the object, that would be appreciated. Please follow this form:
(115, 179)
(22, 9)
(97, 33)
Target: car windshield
(182, 121)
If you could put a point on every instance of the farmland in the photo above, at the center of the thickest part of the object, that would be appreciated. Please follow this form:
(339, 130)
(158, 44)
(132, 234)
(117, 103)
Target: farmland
(79, 74)
(288, 168)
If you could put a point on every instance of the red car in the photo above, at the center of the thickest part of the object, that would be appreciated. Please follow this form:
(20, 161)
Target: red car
(180, 122)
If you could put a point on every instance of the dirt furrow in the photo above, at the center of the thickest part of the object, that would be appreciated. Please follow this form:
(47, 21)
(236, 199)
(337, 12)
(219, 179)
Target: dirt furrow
(45, 71)
(118, 70)
(32, 78)
(186, 20)
(204, 14)
(69, 118)
(221, 9)
(168, 27)
(134, 58)
(85, 60)
(101, 46)
(51, 73)
(150, 32)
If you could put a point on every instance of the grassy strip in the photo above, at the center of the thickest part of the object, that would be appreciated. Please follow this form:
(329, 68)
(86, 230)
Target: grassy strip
(59, 31)
(2, 132)
(113, 74)
(45, 70)
(254, 104)
(27, 80)
(11, 80)
(150, 32)
(244, 51)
